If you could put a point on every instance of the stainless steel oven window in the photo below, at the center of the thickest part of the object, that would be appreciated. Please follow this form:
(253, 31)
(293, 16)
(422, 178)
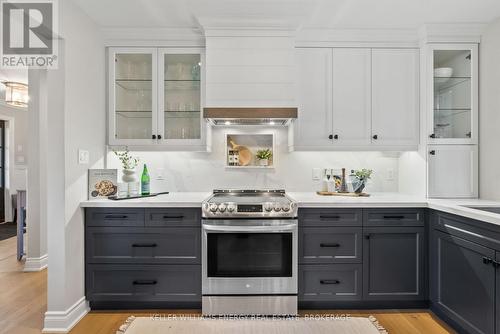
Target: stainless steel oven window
(249, 254)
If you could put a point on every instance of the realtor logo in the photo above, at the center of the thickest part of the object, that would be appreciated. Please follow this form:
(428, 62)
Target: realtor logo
(28, 35)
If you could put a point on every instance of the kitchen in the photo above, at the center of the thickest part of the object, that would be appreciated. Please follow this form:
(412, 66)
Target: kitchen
(317, 156)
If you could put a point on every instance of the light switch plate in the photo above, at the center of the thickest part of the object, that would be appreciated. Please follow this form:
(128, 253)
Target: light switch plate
(83, 157)
(316, 175)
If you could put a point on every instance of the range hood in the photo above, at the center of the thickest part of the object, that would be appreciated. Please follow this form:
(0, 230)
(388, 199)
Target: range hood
(249, 116)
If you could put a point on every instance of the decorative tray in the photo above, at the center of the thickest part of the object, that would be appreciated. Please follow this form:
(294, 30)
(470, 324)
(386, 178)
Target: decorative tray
(327, 193)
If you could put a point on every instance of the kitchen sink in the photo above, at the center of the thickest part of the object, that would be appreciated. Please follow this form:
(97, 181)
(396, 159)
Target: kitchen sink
(493, 209)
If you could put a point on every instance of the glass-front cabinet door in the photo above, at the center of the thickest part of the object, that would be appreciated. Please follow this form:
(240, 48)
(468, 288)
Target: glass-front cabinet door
(132, 96)
(453, 93)
(180, 95)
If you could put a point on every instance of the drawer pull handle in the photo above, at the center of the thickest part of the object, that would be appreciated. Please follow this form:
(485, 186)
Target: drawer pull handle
(115, 217)
(145, 282)
(496, 264)
(143, 245)
(394, 217)
(487, 260)
(329, 217)
(329, 281)
(173, 217)
(328, 245)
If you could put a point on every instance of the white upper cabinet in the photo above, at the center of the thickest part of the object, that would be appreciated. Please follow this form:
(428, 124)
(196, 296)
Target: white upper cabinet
(357, 99)
(314, 125)
(453, 171)
(155, 97)
(395, 97)
(180, 96)
(132, 96)
(351, 91)
(453, 93)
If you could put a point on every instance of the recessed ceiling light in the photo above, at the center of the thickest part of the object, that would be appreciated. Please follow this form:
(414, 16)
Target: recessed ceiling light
(227, 123)
(271, 123)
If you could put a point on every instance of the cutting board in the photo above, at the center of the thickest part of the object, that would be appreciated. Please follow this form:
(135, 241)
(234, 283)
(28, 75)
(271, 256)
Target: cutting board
(327, 193)
(245, 155)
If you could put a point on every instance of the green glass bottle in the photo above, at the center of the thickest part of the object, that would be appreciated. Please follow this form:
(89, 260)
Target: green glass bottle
(145, 181)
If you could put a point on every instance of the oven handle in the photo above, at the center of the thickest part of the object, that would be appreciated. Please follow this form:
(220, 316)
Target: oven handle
(250, 229)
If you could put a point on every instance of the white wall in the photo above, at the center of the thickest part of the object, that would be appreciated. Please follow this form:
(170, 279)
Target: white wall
(184, 171)
(489, 115)
(80, 93)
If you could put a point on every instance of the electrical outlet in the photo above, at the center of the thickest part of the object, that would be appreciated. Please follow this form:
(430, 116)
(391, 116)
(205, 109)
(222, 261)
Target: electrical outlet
(83, 157)
(390, 174)
(316, 174)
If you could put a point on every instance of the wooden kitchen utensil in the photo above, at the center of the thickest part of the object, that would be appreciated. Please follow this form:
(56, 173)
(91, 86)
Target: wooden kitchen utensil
(244, 153)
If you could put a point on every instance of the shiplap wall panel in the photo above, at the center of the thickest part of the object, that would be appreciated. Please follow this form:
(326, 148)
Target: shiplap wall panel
(250, 71)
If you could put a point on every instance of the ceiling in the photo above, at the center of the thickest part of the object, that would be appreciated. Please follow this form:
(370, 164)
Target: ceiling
(345, 14)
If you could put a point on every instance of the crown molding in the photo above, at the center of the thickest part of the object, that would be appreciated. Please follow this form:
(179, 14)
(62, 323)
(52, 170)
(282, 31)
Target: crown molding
(309, 37)
(451, 32)
(182, 37)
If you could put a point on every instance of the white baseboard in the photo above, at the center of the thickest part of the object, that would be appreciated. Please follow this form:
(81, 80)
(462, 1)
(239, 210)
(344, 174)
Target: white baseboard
(36, 263)
(64, 321)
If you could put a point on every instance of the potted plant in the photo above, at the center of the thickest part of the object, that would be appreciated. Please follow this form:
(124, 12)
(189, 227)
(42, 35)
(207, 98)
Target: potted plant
(129, 163)
(361, 178)
(264, 156)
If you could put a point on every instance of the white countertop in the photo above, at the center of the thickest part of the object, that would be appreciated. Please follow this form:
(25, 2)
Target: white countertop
(312, 200)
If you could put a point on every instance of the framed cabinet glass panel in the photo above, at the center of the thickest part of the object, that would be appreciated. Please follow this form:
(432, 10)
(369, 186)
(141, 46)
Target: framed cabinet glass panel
(454, 94)
(180, 95)
(132, 96)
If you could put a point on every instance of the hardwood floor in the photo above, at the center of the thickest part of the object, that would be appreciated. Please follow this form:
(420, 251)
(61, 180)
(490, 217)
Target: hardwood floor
(23, 296)
(23, 302)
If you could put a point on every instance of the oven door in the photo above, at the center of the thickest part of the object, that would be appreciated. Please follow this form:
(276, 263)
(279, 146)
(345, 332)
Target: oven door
(249, 257)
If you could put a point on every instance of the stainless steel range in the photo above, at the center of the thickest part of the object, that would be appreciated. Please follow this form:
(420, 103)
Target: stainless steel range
(249, 253)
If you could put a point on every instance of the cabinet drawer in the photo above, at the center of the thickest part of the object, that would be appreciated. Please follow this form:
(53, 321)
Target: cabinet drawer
(330, 245)
(114, 217)
(173, 217)
(137, 283)
(393, 217)
(335, 282)
(330, 217)
(179, 245)
(479, 232)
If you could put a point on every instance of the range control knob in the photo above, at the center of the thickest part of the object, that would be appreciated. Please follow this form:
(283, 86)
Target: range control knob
(231, 207)
(213, 207)
(285, 208)
(222, 207)
(268, 207)
(277, 207)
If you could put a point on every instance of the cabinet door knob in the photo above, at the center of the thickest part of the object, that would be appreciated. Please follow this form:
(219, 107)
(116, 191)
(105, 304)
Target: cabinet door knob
(159, 136)
(375, 137)
(336, 137)
(367, 237)
(153, 136)
(432, 152)
(432, 135)
(330, 137)
(487, 260)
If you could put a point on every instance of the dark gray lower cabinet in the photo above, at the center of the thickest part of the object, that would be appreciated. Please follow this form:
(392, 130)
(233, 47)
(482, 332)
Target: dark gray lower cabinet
(463, 282)
(143, 258)
(498, 292)
(330, 245)
(333, 282)
(164, 283)
(135, 245)
(394, 263)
